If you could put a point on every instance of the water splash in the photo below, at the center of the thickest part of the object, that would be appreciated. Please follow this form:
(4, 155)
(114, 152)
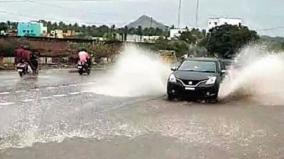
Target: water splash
(138, 72)
(256, 74)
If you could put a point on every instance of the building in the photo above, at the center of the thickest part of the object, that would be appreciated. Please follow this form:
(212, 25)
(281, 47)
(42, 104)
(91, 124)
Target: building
(34, 29)
(174, 33)
(137, 38)
(214, 22)
(70, 33)
(56, 34)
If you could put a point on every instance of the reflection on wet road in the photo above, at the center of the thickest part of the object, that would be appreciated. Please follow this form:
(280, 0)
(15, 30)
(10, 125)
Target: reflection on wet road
(53, 117)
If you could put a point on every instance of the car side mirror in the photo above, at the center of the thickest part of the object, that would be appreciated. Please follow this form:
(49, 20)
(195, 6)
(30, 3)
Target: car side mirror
(224, 71)
(174, 68)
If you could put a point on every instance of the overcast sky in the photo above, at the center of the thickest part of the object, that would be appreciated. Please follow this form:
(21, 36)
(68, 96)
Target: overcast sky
(257, 14)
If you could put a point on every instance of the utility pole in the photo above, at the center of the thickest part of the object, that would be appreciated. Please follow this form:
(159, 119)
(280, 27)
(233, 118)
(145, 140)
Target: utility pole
(197, 13)
(179, 13)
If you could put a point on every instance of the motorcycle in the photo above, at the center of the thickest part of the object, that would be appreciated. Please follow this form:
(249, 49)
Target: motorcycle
(83, 68)
(23, 68)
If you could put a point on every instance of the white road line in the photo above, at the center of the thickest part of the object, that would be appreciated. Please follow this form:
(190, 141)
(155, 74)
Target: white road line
(27, 100)
(4, 93)
(51, 87)
(44, 98)
(7, 103)
(63, 86)
(88, 83)
(74, 93)
(36, 89)
(21, 91)
(60, 95)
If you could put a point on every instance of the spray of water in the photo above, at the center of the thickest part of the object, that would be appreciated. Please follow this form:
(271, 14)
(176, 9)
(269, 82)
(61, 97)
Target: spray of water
(256, 74)
(138, 72)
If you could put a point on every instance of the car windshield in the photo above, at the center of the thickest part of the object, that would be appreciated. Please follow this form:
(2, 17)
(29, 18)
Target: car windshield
(199, 66)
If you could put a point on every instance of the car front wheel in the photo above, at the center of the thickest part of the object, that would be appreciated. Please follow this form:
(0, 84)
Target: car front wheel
(213, 99)
(171, 97)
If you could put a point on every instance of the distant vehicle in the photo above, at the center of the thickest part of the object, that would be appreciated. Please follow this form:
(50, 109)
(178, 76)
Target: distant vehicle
(83, 68)
(3, 33)
(168, 56)
(23, 68)
(196, 78)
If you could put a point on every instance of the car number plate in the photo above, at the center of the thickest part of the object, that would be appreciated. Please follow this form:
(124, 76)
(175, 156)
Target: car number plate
(20, 70)
(189, 88)
(80, 67)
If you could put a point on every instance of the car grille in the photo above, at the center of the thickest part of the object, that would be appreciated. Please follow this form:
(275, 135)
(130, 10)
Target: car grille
(194, 82)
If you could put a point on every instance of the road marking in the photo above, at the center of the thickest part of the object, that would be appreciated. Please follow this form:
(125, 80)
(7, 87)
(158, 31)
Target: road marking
(74, 93)
(35, 89)
(7, 103)
(44, 98)
(63, 86)
(4, 93)
(60, 95)
(27, 100)
(51, 87)
(88, 83)
(21, 91)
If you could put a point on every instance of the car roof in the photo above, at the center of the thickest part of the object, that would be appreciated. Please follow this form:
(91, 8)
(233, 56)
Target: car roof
(202, 59)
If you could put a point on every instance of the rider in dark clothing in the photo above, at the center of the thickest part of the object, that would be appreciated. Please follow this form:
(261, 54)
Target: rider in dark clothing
(24, 54)
(34, 62)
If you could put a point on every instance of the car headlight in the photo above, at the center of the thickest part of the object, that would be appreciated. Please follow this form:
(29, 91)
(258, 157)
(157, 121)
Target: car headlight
(211, 80)
(172, 78)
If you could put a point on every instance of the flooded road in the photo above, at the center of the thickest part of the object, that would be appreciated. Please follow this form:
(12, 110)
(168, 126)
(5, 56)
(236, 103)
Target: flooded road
(53, 116)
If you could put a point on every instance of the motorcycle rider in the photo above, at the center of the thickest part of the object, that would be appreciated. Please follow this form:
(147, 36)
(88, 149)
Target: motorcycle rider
(23, 55)
(18, 54)
(84, 57)
(34, 62)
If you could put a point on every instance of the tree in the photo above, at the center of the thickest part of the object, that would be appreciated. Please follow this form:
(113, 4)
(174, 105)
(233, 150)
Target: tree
(125, 33)
(140, 32)
(102, 30)
(113, 28)
(61, 24)
(180, 47)
(3, 26)
(188, 37)
(226, 40)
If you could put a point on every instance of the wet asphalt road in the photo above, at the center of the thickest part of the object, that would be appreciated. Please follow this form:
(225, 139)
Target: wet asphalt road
(53, 117)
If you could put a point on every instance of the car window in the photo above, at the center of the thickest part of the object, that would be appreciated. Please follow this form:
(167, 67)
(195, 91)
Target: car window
(198, 66)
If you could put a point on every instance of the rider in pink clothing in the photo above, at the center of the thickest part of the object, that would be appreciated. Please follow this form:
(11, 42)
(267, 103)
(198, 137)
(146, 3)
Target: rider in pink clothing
(84, 57)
